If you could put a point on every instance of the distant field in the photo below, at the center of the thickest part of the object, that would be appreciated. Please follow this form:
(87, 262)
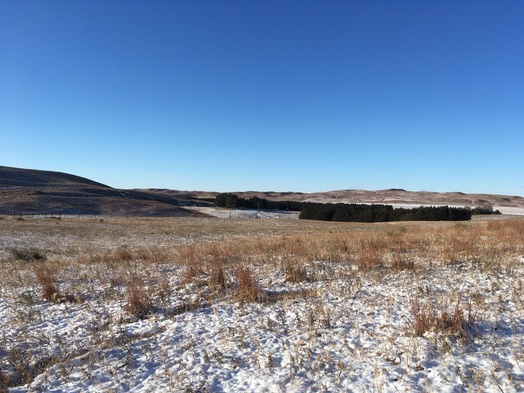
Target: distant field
(233, 304)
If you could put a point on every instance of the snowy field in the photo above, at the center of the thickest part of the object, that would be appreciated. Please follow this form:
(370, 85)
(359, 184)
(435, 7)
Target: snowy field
(244, 213)
(229, 305)
(249, 213)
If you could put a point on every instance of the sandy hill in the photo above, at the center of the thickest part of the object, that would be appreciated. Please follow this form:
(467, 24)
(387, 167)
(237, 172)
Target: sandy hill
(397, 197)
(29, 191)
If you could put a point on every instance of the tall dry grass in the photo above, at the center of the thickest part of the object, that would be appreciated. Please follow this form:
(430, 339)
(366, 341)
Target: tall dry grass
(182, 264)
(444, 317)
(221, 254)
(247, 289)
(139, 300)
(48, 283)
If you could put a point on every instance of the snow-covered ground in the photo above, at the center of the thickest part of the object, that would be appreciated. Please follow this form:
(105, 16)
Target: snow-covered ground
(248, 213)
(341, 329)
(244, 213)
(519, 211)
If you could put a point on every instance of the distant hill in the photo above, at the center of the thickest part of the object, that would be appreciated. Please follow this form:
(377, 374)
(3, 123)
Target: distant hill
(29, 191)
(396, 197)
(16, 177)
(400, 197)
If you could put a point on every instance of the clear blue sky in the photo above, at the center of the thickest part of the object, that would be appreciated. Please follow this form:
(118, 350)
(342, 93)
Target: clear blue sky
(266, 95)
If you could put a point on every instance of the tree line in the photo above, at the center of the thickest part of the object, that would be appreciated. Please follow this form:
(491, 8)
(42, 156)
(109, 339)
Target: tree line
(382, 213)
(353, 212)
(232, 201)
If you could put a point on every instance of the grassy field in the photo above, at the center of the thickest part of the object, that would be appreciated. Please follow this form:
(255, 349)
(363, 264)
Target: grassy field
(208, 304)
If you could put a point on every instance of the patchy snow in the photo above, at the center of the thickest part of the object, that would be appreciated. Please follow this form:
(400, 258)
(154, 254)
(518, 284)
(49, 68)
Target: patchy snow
(249, 213)
(245, 213)
(341, 328)
(510, 210)
(503, 209)
(352, 332)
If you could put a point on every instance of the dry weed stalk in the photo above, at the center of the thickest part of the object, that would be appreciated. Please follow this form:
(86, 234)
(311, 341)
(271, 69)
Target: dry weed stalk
(139, 302)
(426, 318)
(295, 271)
(49, 283)
(247, 289)
(124, 254)
(402, 262)
(217, 278)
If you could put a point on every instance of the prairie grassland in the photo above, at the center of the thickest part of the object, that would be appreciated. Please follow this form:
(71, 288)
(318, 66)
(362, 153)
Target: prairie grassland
(205, 304)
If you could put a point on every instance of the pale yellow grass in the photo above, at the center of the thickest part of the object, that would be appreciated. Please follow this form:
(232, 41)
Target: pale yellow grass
(174, 265)
(117, 251)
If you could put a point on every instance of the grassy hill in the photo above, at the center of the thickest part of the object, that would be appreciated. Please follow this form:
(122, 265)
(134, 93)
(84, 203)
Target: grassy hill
(29, 191)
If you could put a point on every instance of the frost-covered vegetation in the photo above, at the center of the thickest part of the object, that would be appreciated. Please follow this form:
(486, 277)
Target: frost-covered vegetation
(201, 304)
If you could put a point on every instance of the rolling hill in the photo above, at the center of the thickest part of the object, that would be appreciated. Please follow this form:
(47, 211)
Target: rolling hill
(29, 191)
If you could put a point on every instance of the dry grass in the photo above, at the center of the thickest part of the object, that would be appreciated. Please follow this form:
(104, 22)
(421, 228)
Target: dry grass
(402, 261)
(247, 289)
(296, 272)
(210, 249)
(217, 278)
(182, 263)
(204, 245)
(444, 317)
(49, 283)
(124, 255)
(29, 254)
(139, 300)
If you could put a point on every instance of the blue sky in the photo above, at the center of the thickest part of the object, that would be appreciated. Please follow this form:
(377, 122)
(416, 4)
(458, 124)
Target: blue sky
(271, 95)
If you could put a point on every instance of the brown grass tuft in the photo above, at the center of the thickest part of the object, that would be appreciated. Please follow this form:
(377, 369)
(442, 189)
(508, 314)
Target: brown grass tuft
(403, 262)
(247, 289)
(217, 278)
(191, 272)
(296, 272)
(124, 255)
(139, 301)
(29, 254)
(49, 283)
(368, 258)
(427, 317)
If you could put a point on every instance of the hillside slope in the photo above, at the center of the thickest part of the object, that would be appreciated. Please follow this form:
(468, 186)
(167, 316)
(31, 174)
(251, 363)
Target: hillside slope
(396, 197)
(29, 191)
